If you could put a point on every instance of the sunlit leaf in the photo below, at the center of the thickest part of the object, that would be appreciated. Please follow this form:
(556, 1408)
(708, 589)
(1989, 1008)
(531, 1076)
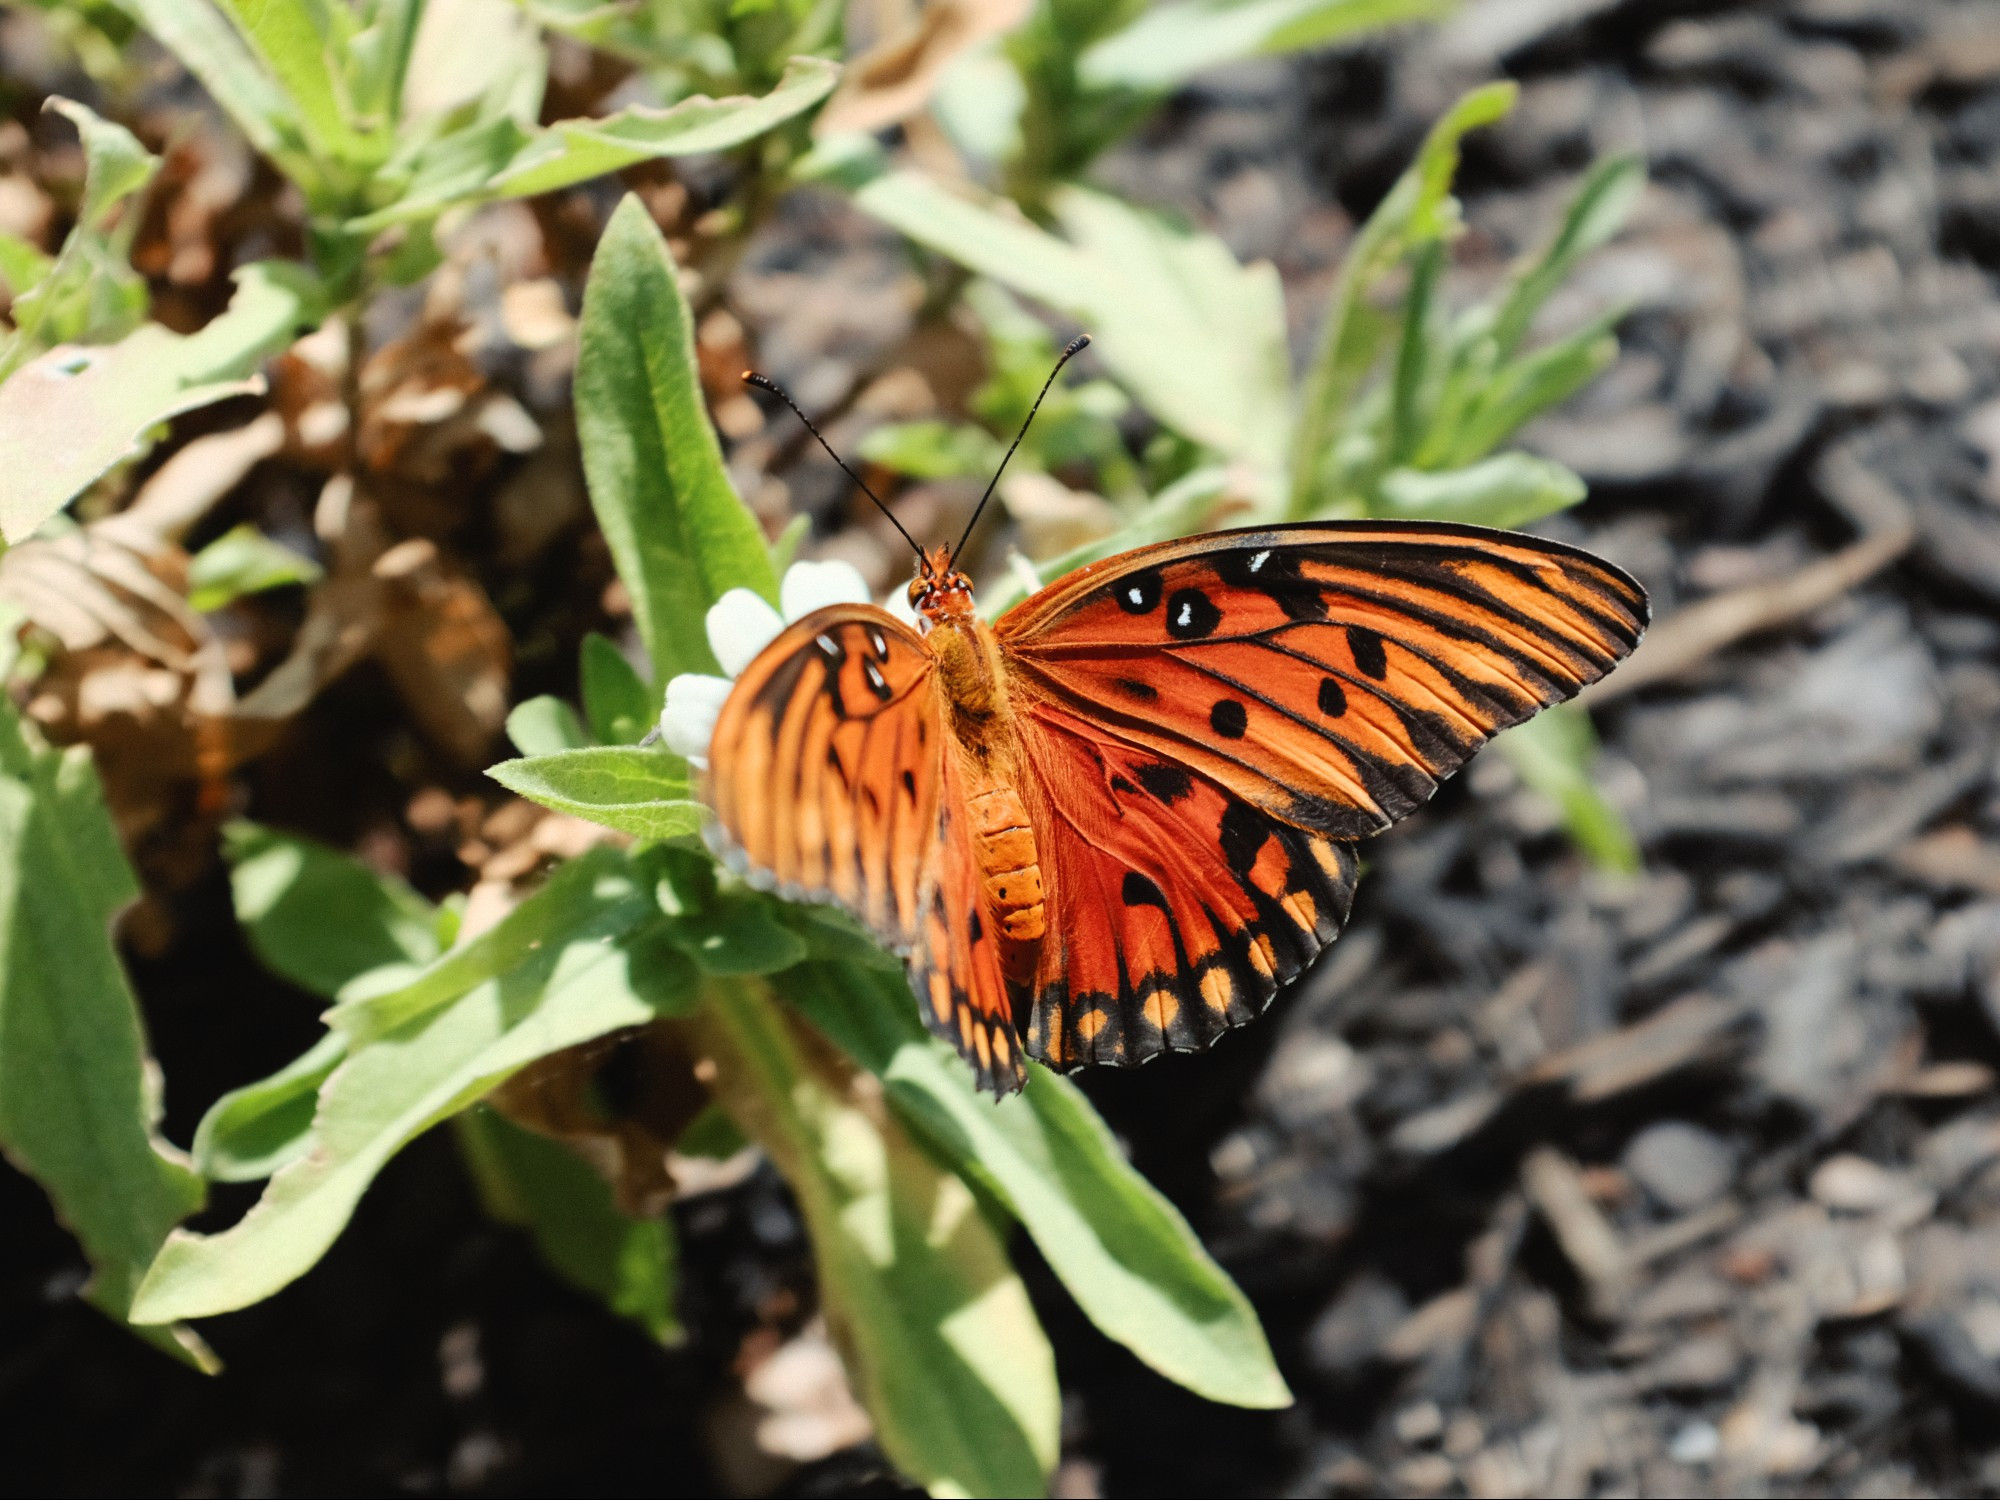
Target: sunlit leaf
(501, 159)
(579, 982)
(319, 917)
(546, 726)
(1172, 42)
(1509, 490)
(250, 1132)
(71, 414)
(680, 537)
(1124, 1252)
(939, 1338)
(643, 792)
(78, 1111)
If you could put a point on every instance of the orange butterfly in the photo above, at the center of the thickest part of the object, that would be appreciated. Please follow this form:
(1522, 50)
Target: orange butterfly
(1114, 822)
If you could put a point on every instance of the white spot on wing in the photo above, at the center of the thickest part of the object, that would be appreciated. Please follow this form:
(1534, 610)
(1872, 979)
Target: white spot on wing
(1187, 616)
(1137, 596)
(1259, 560)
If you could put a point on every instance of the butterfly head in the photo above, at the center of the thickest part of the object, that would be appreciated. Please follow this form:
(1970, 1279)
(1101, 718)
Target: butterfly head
(940, 592)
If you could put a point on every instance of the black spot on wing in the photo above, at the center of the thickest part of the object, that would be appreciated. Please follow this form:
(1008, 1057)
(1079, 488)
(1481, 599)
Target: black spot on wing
(1137, 890)
(1191, 615)
(1144, 692)
(1229, 719)
(1168, 783)
(1244, 831)
(910, 785)
(1369, 657)
(1332, 697)
(1138, 593)
(1120, 784)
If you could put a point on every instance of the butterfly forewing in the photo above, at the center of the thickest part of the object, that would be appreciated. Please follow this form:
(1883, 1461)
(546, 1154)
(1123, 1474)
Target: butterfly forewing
(824, 766)
(1329, 674)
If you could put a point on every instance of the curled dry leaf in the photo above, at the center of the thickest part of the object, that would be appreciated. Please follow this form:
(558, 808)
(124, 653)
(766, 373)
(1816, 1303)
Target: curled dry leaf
(445, 649)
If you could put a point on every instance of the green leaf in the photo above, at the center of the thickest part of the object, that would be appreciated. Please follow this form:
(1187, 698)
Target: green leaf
(936, 1329)
(22, 265)
(739, 933)
(320, 918)
(1499, 401)
(78, 1110)
(501, 160)
(1509, 490)
(546, 1189)
(933, 450)
(1170, 43)
(618, 705)
(1418, 209)
(579, 983)
(244, 561)
(680, 537)
(212, 50)
(115, 164)
(71, 414)
(1197, 337)
(1552, 752)
(89, 290)
(250, 1132)
(1127, 1256)
(600, 894)
(1598, 212)
(546, 726)
(643, 792)
(291, 38)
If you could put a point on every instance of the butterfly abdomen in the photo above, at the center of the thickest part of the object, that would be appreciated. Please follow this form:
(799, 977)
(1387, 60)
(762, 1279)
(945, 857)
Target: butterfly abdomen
(1010, 871)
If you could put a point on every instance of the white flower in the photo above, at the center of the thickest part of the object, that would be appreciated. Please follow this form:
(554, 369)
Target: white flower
(741, 624)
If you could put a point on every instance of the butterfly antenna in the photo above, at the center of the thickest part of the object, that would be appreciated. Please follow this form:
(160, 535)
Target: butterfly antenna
(764, 383)
(1076, 346)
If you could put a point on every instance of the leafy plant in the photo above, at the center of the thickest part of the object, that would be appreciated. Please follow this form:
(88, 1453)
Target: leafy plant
(906, 1179)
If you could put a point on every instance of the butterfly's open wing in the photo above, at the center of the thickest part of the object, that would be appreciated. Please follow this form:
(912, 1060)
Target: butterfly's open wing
(1210, 721)
(1330, 674)
(829, 777)
(1176, 909)
(824, 767)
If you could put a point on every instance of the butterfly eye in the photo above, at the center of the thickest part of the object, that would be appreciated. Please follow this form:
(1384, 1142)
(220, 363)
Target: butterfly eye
(918, 588)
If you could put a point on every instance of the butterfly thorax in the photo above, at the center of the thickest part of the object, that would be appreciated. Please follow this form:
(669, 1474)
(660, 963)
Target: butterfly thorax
(972, 682)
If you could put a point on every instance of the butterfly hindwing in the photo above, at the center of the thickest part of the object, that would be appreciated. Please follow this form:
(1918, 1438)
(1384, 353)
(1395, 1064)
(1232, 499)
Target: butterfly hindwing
(955, 967)
(1331, 674)
(1177, 909)
(824, 767)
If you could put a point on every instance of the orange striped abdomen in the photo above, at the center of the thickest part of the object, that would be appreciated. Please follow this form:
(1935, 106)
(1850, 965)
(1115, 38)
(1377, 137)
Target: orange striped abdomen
(1010, 871)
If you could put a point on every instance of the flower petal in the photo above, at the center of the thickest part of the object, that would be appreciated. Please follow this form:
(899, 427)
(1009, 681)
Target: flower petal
(814, 585)
(694, 703)
(740, 624)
